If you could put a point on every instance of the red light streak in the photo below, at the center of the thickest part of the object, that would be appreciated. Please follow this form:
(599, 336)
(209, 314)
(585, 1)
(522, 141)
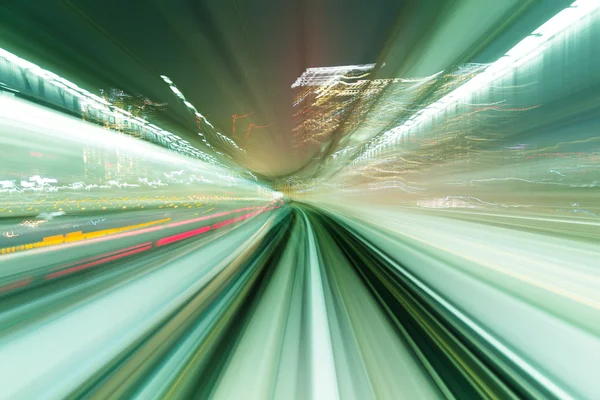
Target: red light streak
(15, 285)
(221, 214)
(53, 275)
(181, 236)
(128, 234)
(135, 249)
(195, 232)
(236, 219)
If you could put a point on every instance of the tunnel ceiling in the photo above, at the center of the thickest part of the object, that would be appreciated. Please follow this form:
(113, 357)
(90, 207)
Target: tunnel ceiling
(235, 60)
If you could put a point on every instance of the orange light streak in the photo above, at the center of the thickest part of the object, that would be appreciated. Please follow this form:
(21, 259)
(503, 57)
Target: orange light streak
(234, 118)
(255, 126)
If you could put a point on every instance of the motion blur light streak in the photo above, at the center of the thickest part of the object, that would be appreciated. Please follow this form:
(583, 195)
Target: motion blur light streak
(97, 262)
(416, 217)
(16, 285)
(181, 236)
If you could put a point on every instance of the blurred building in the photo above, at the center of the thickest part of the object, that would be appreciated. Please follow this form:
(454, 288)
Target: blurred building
(323, 98)
(103, 165)
(139, 106)
(344, 99)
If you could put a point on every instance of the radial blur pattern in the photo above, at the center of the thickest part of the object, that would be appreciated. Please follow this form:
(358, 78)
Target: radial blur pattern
(300, 199)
